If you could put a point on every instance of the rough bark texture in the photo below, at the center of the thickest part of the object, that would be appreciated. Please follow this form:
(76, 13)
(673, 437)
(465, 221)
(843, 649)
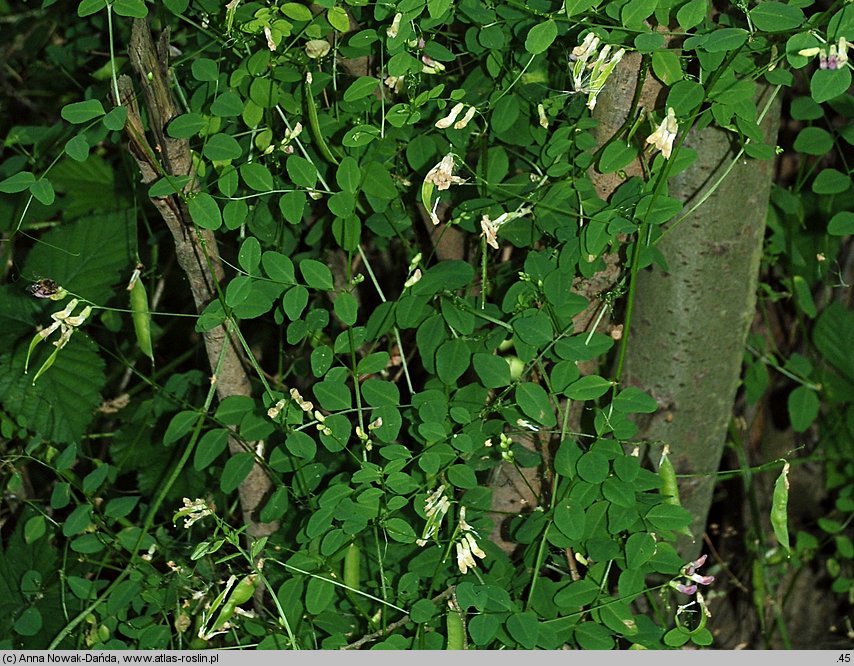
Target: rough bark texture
(690, 325)
(195, 249)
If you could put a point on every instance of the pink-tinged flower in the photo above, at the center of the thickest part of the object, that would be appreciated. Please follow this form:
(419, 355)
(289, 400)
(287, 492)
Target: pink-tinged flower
(689, 571)
(684, 589)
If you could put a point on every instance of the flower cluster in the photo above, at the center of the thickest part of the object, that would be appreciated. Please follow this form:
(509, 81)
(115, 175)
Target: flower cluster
(435, 507)
(193, 512)
(451, 118)
(591, 67)
(440, 177)
(66, 323)
(665, 134)
(689, 571)
(831, 57)
(490, 227)
(467, 547)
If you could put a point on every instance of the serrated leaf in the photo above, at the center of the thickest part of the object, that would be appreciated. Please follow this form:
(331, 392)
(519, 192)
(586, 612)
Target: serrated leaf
(85, 257)
(62, 403)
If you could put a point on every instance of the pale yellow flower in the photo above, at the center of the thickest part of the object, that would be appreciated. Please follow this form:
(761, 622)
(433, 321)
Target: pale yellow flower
(664, 135)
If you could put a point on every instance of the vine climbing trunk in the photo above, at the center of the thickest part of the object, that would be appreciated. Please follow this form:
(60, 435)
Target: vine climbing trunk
(195, 249)
(690, 323)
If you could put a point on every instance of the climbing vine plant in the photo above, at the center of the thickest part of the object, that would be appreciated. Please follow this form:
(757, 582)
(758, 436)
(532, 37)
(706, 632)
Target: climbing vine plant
(401, 239)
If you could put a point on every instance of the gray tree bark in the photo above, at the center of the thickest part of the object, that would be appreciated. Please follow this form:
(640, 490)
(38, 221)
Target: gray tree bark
(690, 324)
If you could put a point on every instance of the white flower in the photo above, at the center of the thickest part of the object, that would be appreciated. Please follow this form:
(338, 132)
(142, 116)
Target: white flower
(541, 113)
(489, 231)
(193, 511)
(273, 412)
(490, 227)
(431, 66)
(466, 119)
(413, 279)
(394, 82)
(589, 74)
(662, 138)
(304, 405)
(393, 29)
(449, 120)
(269, 35)
(441, 175)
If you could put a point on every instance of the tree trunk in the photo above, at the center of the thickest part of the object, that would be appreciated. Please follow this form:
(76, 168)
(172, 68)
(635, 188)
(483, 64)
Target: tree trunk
(690, 324)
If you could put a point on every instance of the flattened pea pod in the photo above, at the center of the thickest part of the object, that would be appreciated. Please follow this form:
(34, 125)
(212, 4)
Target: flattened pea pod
(669, 486)
(141, 317)
(779, 508)
(352, 563)
(455, 626)
(314, 123)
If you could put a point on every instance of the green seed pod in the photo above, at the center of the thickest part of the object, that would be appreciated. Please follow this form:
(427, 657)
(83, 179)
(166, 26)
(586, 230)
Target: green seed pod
(314, 124)
(456, 628)
(779, 508)
(669, 486)
(352, 562)
(141, 318)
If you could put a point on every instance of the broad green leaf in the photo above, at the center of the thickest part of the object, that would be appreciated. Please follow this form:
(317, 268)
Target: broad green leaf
(346, 308)
(494, 371)
(725, 39)
(180, 425)
(42, 190)
(668, 517)
(616, 156)
(321, 360)
(29, 622)
(576, 595)
(333, 395)
(88, 7)
(588, 388)
(813, 141)
(205, 69)
(541, 36)
(187, 125)
(803, 404)
(667, 67)
(210, 447)
(82, 112)
(400, 530)
(634, 401)
(296, 11)
(635, 12)
(776, 17)
(292, 206)
(593, 467)
(832, 336)
(294, 301)
(257, 177)
(205, 212)
(301, 171)
(301, 445)
(593, 636)
(349, 175)
(640, 547)
(130, 8)
(249, 256)
(692, 13)
(841, 224)
(222, 147)
(534, 403)
(278, 267)
(338, 19)
(238, 290)
(827, 84)
(803, 295)
(831, 181)
(316, 275)
(227, 105)
(452, 360)
(523, 628)
(360, 88)
(20, 181)
(235, 471)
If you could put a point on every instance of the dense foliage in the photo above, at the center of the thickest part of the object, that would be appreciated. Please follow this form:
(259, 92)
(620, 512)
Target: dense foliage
(427, 251)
